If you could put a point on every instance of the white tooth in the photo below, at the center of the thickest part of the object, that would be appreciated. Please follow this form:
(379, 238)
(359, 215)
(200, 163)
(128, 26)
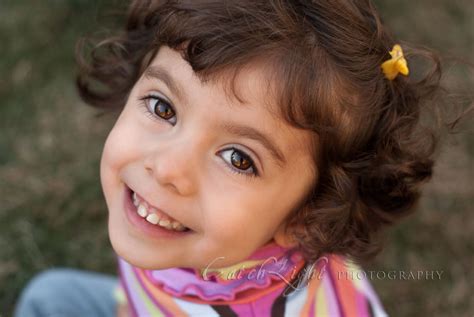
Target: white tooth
(153, 218)
(142, 211)
(175, 224)
(135, 199)
(180, 227)
(164, 222)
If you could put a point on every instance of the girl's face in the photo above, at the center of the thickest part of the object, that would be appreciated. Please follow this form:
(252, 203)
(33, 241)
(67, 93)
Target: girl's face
(228, 171)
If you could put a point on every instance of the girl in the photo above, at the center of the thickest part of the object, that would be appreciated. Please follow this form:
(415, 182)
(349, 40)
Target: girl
(261, 148)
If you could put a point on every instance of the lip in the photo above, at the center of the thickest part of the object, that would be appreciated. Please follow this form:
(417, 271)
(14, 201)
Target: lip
(151, 230)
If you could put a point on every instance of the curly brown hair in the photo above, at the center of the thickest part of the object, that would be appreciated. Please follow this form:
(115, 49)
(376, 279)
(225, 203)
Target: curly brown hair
(325, 58)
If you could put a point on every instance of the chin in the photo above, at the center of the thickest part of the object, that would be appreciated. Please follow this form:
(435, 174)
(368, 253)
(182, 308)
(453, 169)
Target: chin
(138, 256)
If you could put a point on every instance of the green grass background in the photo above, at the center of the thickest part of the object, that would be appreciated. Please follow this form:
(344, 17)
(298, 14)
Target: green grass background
(52, 212)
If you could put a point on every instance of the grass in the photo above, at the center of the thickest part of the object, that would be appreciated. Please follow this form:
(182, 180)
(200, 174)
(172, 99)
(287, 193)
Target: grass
(52, 212)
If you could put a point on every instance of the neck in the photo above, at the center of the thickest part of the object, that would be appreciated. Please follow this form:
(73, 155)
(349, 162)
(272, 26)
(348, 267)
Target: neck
(269, 269)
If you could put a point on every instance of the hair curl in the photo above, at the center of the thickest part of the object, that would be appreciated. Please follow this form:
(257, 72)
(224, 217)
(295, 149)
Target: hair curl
(325, 58)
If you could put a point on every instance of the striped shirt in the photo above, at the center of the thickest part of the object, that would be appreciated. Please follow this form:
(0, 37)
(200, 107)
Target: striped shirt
(272, 282)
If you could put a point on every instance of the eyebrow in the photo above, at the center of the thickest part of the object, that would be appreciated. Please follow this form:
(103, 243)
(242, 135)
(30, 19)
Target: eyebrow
(251, 133)
(158, 72)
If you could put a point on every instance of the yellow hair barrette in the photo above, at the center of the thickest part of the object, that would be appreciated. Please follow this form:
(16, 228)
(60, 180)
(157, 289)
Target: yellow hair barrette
(397, 64)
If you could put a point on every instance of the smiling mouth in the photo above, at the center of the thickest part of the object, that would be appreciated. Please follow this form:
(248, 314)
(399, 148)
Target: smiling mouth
(155, 216)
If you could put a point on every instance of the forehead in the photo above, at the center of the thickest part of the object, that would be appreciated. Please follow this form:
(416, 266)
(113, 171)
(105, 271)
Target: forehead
(244, 96)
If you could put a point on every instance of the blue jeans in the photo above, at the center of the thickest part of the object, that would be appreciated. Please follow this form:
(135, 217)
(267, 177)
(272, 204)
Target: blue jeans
(62, 292)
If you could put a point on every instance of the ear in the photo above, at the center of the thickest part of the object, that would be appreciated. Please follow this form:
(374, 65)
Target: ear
(283, 238)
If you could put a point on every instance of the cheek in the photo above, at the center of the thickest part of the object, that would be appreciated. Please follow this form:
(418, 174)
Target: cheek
(113, 151)
(237, 214)
(117, 151)
(121, 144)
(109, 167)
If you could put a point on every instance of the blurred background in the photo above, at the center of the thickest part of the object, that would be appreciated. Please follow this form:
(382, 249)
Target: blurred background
(52, 212)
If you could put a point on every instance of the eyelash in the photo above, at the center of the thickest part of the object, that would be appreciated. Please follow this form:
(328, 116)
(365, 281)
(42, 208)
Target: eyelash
(252, 174)
(144, 105)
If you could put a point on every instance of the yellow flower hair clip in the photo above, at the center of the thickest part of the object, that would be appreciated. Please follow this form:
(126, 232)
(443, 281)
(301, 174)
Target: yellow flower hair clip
(397, 64)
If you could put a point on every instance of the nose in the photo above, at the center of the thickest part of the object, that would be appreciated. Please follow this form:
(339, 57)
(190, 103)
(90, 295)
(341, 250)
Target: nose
(173, 165)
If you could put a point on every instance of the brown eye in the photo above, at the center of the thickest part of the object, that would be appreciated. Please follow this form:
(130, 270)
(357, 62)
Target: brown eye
(240, 160)
(163, 110)
(158, 108)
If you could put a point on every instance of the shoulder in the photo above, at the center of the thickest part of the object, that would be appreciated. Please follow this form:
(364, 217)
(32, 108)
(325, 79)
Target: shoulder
(334, 286)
